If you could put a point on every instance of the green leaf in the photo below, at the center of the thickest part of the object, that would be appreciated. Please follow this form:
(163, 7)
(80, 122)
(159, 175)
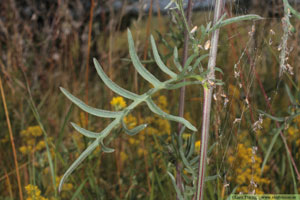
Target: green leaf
(235, 20)
(88, 151)
(175, 59)
(211, 178)
(78, 190)
(219, 70)
(181, 84)
(187, 63)
(138, 65)
(85, 132)
(154, 108)
(104, 148)
(291, 97)
(179, 195)
(114, 87)
(279, 119)
(293, 11)
(184, 159)
(75, 164)
(198, 60)
(158, 60)
(89, 109)
(135, 130)
(271, 147)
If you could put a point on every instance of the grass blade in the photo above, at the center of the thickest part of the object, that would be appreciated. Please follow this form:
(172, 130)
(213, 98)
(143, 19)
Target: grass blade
(78, 190)
(271, 147)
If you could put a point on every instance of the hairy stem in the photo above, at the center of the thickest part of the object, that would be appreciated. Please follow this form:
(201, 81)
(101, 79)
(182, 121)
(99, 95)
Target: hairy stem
(207, 102)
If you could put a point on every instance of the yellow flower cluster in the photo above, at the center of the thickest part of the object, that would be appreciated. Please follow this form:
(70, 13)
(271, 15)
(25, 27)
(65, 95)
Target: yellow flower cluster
(33, 193)
(118, 103)
(30, 136)
(246, 167)
(66, 186)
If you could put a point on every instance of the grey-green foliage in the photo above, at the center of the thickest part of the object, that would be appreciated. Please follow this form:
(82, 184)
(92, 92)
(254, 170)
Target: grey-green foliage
(173, 83)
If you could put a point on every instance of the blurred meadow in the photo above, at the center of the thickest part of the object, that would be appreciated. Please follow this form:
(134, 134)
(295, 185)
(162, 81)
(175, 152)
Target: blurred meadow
(47, 44)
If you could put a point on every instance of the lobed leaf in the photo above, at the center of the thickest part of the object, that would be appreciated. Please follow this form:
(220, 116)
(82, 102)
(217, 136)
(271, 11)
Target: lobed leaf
(158, 60)
(104, 148)
(232, 20)
(175, 59)
(93, 111)
(178, 192)
(75, 164)
(88, 151)
(138, 65)
(85, 132)
(154, 108)
(114, 87)
(135, 130)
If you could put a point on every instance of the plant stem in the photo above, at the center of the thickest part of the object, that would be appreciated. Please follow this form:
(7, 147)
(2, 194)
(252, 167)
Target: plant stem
(187, 21)
(88, 58)
(11, 140)
(207, 102)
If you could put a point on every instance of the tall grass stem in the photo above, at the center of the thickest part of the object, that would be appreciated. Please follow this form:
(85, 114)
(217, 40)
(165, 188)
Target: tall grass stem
(11, 140)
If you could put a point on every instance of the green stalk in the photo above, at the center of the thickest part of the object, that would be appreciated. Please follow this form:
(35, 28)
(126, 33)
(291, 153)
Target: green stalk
(208, 90)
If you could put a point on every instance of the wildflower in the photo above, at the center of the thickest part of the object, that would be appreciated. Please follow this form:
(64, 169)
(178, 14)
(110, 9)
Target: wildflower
(197, 146)
(246, 165)
(118, 103)
(35, 130)
(23, 150)
(123, 156)
(41, 145)
(130, 121)
(292, 130)
(162, 102)
(33, 193)
(83, 120)
(66, 186)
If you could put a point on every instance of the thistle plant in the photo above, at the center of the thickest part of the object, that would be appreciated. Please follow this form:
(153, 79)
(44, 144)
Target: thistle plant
(192, 72)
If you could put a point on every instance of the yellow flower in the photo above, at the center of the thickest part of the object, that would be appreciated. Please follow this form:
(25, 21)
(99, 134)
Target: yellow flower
(118, 103)
(83, 120)
(23, 150)
(123, 156)
(41, 145)
(197, 146)
(130, 121)
(162, 102)
(33, 193)
(292, 130)
(66, 186)
(35, 130)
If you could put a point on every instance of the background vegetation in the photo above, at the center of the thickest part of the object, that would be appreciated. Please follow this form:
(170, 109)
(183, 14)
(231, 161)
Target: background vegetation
(46, 45)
